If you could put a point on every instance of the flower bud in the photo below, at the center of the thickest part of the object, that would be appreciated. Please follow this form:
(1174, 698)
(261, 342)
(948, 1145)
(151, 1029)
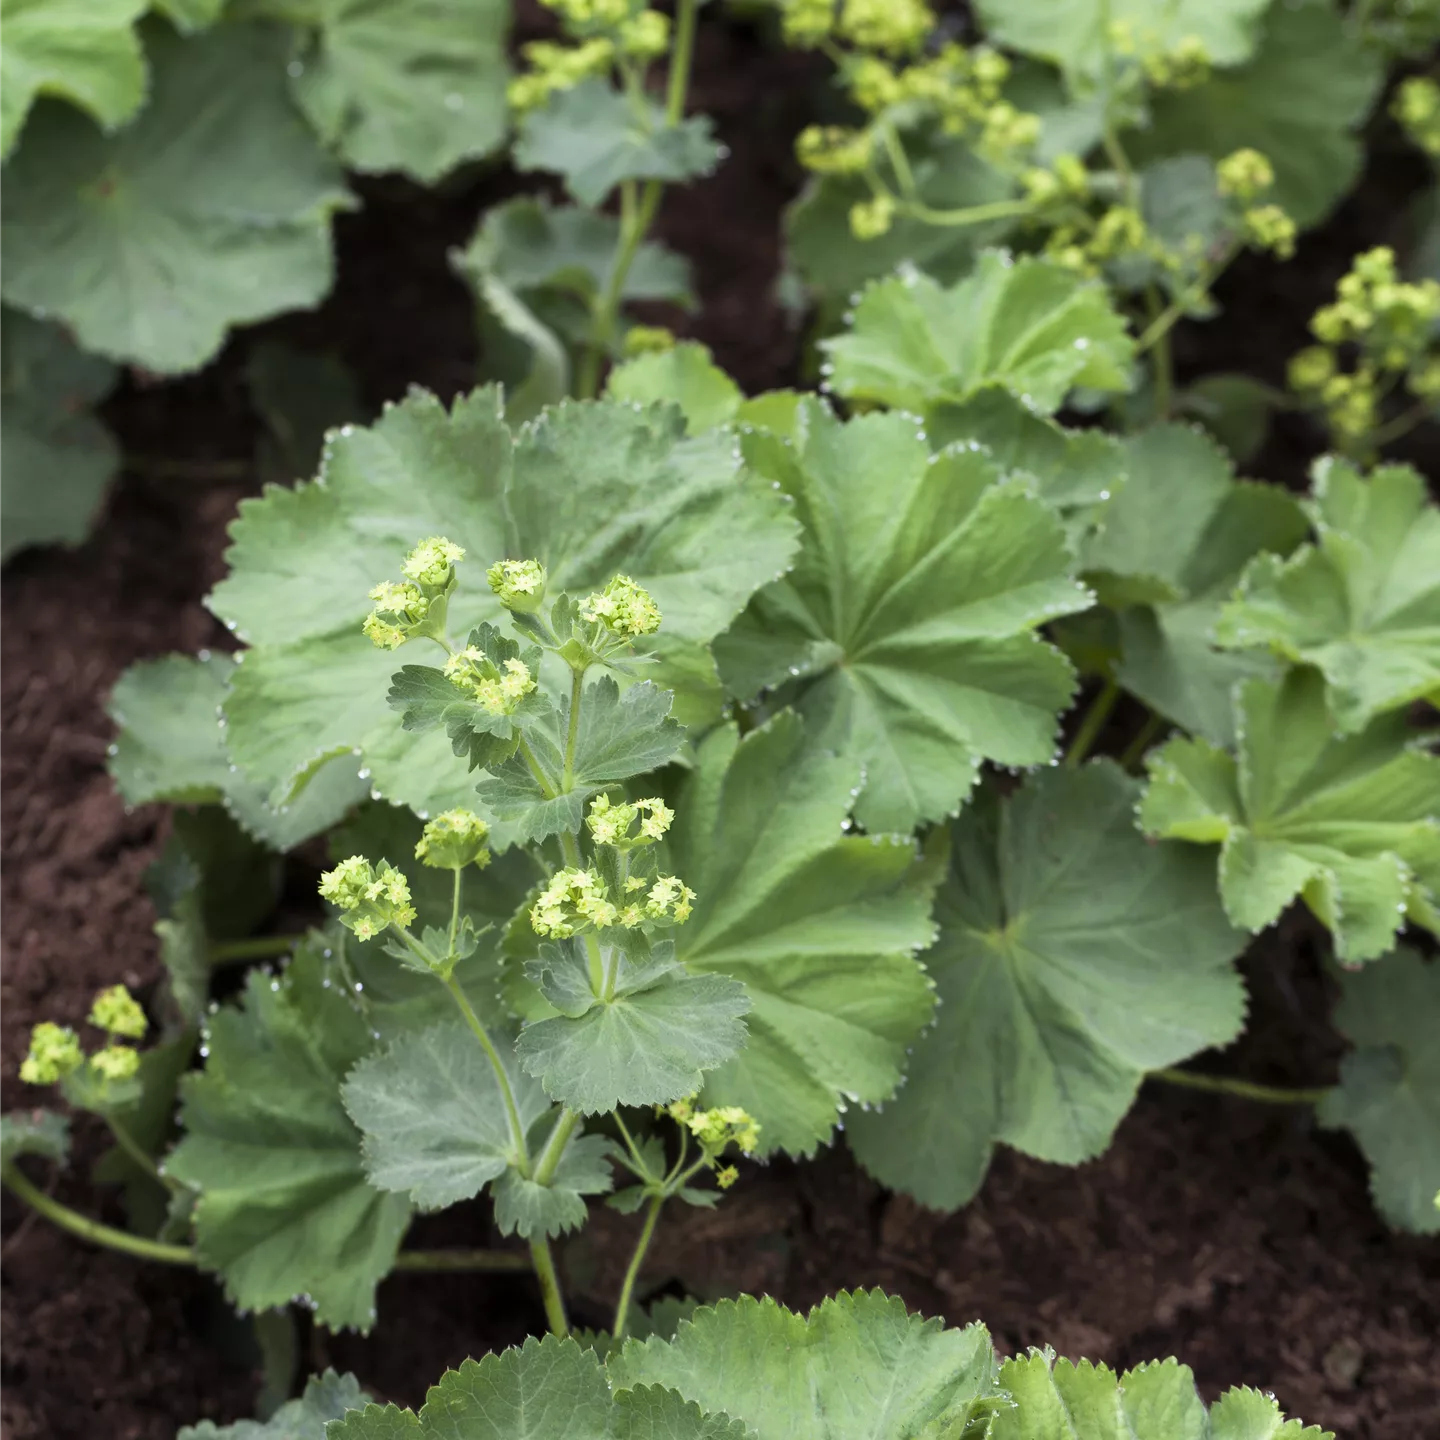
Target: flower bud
(519, 584)
(623, 608)
(116, 1010)
(371, 898)
(54, 1053)
(453, 840)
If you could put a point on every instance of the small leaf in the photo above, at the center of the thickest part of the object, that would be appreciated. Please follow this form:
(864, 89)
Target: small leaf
(1073, 957)
(34, 1132)
(1346, 822)
(1028, 325)
(1245, 1414)
(59, 458)
(529, 1209)
(211, 210)
(1362, 604)
(284, 1206)
(856, 1366)
(595, 137)
(328, 1397)
(433, 1116)
(1389, 1091)
(684, 374)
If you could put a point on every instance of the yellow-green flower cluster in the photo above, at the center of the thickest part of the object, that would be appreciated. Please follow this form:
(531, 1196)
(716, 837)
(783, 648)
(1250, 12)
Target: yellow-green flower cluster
(519, 584)
(118, 1012)
(891, 27)
(54, 1053)
(611, 824)
(870, 219)
(370, 897)
(807, 23)
(432, 562)
(1391, 326)
(669, 899)
(578, 899)
(556, 67)
(399, 611)
(715, 1130)
(1417, 107)
(1244, 175)
(834, 149)
(453, 840)
(417, 606)
(1268, 227)
(1166, 67)
(646, 36)
(623, 608)
(115, 1062)
(647, 340)
(606, 33)
(497, 689)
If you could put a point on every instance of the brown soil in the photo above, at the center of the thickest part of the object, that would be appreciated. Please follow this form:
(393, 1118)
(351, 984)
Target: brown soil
(1237, 1237)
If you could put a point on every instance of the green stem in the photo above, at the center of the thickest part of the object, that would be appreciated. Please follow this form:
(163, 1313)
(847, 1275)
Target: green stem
(969, 215)
(1093, 723)
(512, 1113)
(622, 1306)
(1401, 425)
(454, 915)
(572, 734)
(137, 1152)
(93, 1230)
(491, 1260)
(899, 162)
(1136, 749)
(528, 756)
(544, 1263)
(1245, 1089)
(258, 947)
(607, 311)
(554, 1151)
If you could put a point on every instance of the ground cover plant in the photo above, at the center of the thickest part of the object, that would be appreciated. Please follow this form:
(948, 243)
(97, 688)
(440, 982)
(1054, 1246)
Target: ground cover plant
(702, 778)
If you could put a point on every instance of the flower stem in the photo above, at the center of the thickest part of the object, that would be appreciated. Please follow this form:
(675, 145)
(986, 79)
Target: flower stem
(554, 1151)
(257, 947)
(137, 1152)
(636, 220)
(968, 215)
(1134, 752)
(454, 914)
(512, 1113)
(433, 1260)
(1093, 723)
(622, 1306)
(572, 734)
(1245, 1089)
(93, 1230)
(544, 1264)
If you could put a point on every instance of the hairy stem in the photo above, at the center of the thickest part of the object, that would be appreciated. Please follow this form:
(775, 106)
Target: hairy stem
(93, 1230)
(454, 914)
(512, 1113)
(554, 1151)
(572, 733)
(1245, 1089)
(622, 1306)
(544, 1265)
(636, 220)
(1093, 723)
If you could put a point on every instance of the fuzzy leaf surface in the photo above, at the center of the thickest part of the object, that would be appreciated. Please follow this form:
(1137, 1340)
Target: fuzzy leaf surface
(211, 210)
(1299, 101)
(284, 1205)
(327, 1397)
(1361, 604)
(647, 1045)
(1168, 555)
(58, 457)
(591, 136)
(1389, 1091)
(433, 1115)
(1073, 957)
(546, 1389)
(34, 1132)
(1028, 325)
(858, 1365)
(909, 619)
(1072, 33)
(677, 514)
(685, 374)
(1348, 823)
(822, 929)
(409, 85)
(83, 51)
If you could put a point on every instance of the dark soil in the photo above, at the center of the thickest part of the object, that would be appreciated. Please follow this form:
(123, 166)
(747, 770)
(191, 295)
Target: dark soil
(1238, 1237)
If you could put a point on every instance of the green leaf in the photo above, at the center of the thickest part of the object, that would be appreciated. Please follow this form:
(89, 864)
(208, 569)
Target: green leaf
(909, 620)
(58, 458)
(548, 1389)
(83, 51)
(1028, 325)
(327, 1397)
(595, 137)
(188, 16)
(1073, 957)
(1235, 409)
(284, 1207)
(821, 927)
(1362, 604)
(647, 1044)
(1168, 555)
(858, 1365)
(948, 176)
(171, 746)
(1073, 34)
(685, 374)
(528, 1209)
(1299, 101)
(1389, 1091)
(434, 1117)
(619, 735)
(34, 1132)
(211, 210)
(1346, 822)
(1246, 1414)
(677, 514)
(410, 85)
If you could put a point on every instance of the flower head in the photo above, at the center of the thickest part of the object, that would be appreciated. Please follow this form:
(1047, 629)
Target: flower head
(399, 611)
(116, 1010)
(610, 823)
(453, 840)
(646, 36)
(519, 584)
(115, 1062)
(432, 562)
(1245, 174)
(54, 1052)
(872, 218)
(370, 897)
(1268, 227)
(498, 689)
(895, 27)
(572, 900)
(669, 899)
(623, 608)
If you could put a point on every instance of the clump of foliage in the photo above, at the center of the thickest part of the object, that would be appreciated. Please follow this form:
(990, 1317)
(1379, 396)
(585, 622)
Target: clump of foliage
(755, 767)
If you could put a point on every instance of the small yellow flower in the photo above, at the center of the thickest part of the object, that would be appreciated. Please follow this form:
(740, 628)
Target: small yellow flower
(432, 562)
(371, 898)
(623, 608)
(116, 1062)
(54, 1052)
(116, 1010)
(453, 840)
